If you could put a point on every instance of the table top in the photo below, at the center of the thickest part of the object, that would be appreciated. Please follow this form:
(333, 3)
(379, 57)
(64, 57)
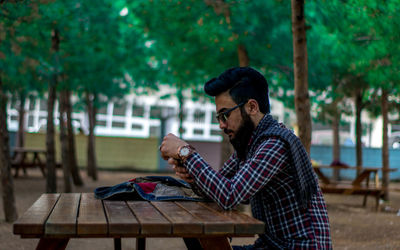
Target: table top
(28, 150)
(70, 215)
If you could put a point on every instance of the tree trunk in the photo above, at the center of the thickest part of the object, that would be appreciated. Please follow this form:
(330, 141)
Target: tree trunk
(385, 145)
(51, 178)
(91, 150)
(71, 142)
(359, 160)
(64, 143)
(7, 185)
(21, 121)
(243, 56)
(302, 99)
(336, 142)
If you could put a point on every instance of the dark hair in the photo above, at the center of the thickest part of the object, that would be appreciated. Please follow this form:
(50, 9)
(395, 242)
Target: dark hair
(243, 83)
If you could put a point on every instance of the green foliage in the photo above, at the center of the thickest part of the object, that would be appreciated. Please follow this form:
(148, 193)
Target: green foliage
(351, 43)
(17, 69)
(113, 47)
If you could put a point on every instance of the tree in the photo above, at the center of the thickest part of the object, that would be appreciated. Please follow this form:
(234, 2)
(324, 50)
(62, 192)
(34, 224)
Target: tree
(7, 184)
(13, 19)
(204, 38)
(51, 177)
(65, 150)
(332, 106)
(345, 53)
(97, 67)
(187, 58)
(302, 99)
(71, 142)
(382, 72)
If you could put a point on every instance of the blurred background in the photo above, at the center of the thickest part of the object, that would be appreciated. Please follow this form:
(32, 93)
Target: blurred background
(118, 75)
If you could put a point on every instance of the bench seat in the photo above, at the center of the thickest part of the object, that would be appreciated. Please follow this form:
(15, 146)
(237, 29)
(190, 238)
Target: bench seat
(349, 189)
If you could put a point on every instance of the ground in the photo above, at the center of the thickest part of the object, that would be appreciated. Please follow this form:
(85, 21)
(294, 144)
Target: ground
(352, 226)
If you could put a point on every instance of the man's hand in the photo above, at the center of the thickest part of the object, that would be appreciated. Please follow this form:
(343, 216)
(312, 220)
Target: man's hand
(170, 146)
(180, 171)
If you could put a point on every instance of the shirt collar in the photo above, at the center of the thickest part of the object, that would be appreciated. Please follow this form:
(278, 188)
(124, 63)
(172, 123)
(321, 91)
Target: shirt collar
(266, 122)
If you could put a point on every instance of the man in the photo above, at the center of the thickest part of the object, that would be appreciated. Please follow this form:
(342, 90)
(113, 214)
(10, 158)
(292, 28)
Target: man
(269, 168)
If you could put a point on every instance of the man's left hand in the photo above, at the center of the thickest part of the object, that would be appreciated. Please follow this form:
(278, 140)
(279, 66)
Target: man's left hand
(170, 146)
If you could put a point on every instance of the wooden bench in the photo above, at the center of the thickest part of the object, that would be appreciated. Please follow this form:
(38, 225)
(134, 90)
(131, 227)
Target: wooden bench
(359, 186)
(349, 189)
(55, 218)
(28, 158)
(24, 158)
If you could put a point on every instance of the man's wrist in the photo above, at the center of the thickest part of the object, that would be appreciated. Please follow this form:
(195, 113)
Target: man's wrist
(184, 152)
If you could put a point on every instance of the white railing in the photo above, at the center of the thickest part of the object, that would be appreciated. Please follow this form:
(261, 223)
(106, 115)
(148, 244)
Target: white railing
(127, 124)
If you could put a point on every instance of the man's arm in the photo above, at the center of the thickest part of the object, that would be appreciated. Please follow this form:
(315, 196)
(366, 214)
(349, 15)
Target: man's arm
(169, 150)
(182, 172)
(269, 158)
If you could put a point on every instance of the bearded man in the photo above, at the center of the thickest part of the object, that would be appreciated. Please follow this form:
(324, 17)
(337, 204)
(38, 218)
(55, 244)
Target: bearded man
(270, 167)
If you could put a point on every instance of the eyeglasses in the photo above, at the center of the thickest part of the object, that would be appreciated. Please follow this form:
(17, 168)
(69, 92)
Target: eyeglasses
(223, 116)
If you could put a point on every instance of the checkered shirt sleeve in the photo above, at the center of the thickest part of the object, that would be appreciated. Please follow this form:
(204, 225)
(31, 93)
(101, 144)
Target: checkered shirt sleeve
(266, 180)
(231, 185)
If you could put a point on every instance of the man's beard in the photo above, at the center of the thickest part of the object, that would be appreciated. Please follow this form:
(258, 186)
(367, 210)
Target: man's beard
(242, 136)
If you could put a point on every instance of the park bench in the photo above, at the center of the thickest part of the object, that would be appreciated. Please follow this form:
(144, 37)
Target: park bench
(359, 186)
(24, 158)
(55, 218)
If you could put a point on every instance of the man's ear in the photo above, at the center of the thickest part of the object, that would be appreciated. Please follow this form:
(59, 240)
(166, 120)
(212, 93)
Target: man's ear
(252, 107)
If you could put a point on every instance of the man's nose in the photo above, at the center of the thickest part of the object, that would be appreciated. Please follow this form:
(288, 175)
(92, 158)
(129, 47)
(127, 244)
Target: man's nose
(222, 125)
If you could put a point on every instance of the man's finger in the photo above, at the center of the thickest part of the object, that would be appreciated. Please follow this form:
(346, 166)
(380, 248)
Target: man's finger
(173, 161)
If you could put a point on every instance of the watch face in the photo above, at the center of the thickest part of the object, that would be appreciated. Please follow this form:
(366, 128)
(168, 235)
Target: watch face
(184, 151)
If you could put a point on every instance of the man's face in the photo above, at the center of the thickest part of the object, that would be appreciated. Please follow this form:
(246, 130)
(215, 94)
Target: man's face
(223, 103)
(238, 125)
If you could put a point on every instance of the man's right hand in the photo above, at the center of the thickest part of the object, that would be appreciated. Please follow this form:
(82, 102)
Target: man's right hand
(180, 170)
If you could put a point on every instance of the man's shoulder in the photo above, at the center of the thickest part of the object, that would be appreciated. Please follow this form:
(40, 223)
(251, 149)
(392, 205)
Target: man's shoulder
(272, 142)
(283, 133)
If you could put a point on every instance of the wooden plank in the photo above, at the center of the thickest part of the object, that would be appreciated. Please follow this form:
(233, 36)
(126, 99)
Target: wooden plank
(214, 222)
(92, 220)
(365, 174)
(244, 224)
(121, 221)
(62, 221)
(350, 189)
(321, 176)
(32, 221)
(150, 219)
(182, 221)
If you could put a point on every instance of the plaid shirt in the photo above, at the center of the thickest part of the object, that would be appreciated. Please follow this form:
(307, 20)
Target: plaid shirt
(266, 181)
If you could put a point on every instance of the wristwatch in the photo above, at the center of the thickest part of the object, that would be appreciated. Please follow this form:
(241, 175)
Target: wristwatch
(185, 151)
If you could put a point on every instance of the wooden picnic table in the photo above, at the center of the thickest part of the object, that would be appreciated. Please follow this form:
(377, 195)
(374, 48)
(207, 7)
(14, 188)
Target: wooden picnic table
(364, 175)
(55, 218)
(27, 158)
(358, 186)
